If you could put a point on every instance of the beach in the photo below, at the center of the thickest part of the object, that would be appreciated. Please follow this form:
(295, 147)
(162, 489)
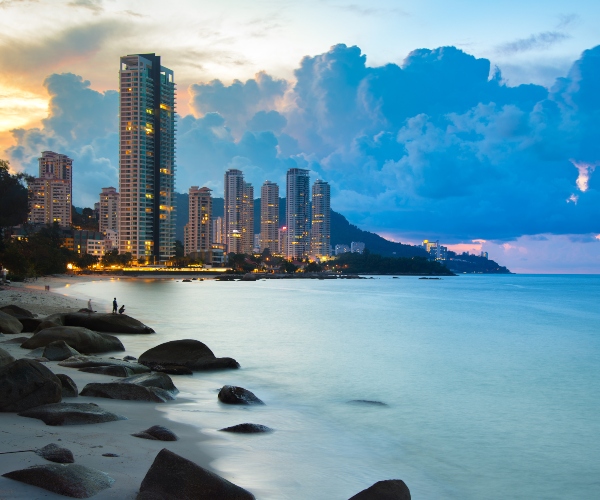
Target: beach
(87, 442)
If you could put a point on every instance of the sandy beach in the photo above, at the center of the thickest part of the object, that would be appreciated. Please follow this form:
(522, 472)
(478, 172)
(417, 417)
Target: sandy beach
(87, 442)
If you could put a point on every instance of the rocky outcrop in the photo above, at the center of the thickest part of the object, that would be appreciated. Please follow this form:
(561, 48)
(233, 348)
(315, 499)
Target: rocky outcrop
(172, 369)
(392, 489)
(30, 325)
(192, 354)
(95, 361)
(232, 395)
(154, 379)
(107, 323)
(45, 324)
(26, 384)
(58, 350)
(69, 388)
(110, 370)
(81, 339)
(17, 311)
(172, 477)
(247, 429)
(76, 481)
(157, 433)
(128, 392)
(54, 453)
(71, 414)
(9, 324)
(5, 358)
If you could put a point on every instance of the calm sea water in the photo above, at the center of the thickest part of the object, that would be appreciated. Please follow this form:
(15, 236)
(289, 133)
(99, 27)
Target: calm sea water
(492, 383)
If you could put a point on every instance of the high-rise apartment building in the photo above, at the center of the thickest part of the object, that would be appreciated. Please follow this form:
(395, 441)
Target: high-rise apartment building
(109, 210)
(298, 216)
(248, 219)
(320, 240)
(198, 231)
(269, 217)
(233, 186)
(217, 230)
(50, 194)
(147, 158)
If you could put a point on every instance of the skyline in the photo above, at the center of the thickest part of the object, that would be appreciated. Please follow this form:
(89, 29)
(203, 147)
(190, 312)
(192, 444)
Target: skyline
(482, 161)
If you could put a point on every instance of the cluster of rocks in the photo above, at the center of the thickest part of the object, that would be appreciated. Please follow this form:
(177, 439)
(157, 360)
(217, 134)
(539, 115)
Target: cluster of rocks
(32, 390)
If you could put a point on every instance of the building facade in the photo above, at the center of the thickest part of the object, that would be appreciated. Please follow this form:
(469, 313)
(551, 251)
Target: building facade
(147, 159)
(217, 230)
(298, 215)
(269, 217)
(56, 166)
(248, 219)
(198, 230)
(233, 186)
(108, 210)
(320, 240)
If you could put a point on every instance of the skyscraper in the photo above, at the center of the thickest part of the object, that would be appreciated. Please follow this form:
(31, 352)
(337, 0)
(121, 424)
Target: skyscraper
(321, 220)
(248, 219)
(147, 158)
(109, 210)
(50, 194)
(298, 216)
(233, 186)
(269, 217)
(198, 238)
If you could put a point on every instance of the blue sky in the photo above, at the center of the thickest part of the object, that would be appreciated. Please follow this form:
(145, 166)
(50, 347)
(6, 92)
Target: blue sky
(475, 123)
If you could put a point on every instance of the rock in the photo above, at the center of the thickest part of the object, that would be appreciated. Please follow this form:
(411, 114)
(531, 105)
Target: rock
(30, 325)
(59, 350)
(192, 354)
(69, 388)
(129, 358)
(112, 370)
(71, 414)
(366, 402)
(76, 481)
(232, 395)
(9, 324)
(99, 322)
(92, 361)
(158, 433)
(14, 340)
(128, 392)
(81, 339)
(172, 369)
(16, 311)
(172, 477)
(392, 489)
(26, 384)
(55, 453)
(247, 429)
(36, 353)
(45, 324)
(5, 358)
(113, 455)
(156, 379)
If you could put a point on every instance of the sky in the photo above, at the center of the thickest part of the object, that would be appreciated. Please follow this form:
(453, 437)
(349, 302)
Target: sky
(473, 123)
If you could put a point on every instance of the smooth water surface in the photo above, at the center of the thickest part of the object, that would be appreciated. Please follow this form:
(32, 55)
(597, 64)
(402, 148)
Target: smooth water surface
(491, 383)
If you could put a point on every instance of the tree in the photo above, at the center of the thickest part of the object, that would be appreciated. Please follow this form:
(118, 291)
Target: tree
(13, 197)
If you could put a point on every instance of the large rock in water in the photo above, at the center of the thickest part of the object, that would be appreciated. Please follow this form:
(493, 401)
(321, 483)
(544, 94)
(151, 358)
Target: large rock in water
(25, 384)
(9, 324)
(59, 350)
(247, 429)
(5, 358)
(75, 481)
(157, 433)
(71, 414)
(172, 477)
(107, 323)
(232, 395)
(392, 489)
(78, 338)
(127, 392)
(97, 362)
(154, 379)
(192, 354)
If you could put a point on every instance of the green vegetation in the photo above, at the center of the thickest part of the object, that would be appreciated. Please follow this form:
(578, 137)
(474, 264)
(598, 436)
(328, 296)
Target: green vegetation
(13, 197)
(368, 263)
(466, 263)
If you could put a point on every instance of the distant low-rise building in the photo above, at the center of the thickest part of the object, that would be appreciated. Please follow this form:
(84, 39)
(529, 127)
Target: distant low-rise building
(357, 247)
(340, 249)
(95, 248)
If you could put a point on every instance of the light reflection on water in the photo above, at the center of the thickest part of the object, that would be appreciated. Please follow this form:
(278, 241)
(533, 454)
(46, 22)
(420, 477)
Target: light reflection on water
(491, 382)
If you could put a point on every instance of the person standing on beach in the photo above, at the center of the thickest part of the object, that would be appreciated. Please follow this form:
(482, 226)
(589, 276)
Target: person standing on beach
(90, 305)
(115, 306)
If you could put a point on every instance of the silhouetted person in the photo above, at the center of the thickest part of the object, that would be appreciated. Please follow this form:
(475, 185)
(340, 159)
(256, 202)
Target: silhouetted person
(122, 309)
(90, 305)
(115, 306)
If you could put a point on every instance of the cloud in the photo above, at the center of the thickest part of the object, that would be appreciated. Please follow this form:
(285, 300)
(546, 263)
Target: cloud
(585, 170)
(539, 41)
(93, 5)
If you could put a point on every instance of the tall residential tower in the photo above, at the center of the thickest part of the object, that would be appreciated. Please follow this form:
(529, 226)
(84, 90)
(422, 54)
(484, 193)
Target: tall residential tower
(238, 213)
(147, 158)
(269, 217)
(198, 238)
(298, 216)
(320, 240)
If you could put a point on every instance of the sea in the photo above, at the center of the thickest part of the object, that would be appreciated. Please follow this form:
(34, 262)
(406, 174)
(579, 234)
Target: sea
(466, 387)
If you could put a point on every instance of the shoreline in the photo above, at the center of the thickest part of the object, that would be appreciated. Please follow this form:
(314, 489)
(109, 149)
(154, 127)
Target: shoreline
(88, 442)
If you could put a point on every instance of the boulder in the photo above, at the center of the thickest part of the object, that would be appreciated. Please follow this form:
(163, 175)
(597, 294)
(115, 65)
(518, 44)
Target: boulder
(30, 325)
(16, 311)
(55, 453)
(78, 338)
(232, 395)
(9, 324)
(14, 340)
(153, 379)
(75, 481)
(95, 361)
(69, 388)
(172, 369)
(59, 350)
(247, 429)
(392, 489)
(192, 354)
(111, 370)
(157, 433)
(5, 358)
(45, 324)
(128, 392)
(26, 384)
(99, 322)
(71, 414)
(172, 477)
(129, 358)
